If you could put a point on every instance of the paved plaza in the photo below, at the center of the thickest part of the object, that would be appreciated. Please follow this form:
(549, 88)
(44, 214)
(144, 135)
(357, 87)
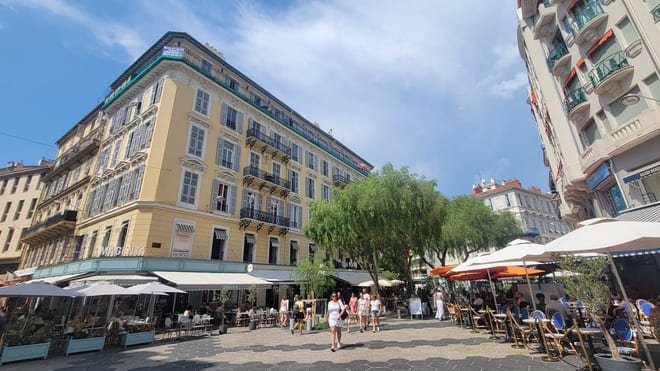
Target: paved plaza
(402, 344)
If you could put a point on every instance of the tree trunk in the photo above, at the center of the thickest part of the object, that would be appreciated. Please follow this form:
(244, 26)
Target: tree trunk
(610, 341)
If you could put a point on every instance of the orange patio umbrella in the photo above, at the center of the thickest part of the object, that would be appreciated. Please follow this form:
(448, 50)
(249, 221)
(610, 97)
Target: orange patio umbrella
(441, 271)
(514, 271)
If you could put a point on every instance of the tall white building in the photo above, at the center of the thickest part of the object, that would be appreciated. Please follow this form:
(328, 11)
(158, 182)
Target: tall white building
(534, 210)
(594, 93)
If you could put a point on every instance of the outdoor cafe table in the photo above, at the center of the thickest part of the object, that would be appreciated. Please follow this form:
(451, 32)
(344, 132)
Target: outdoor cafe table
(531, 322)
(589, 332)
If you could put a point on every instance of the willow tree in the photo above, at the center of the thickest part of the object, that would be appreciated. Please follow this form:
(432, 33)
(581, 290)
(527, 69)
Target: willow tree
(382, 221)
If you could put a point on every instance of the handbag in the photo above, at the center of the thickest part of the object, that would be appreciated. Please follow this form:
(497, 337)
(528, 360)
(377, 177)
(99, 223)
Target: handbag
(343, 315)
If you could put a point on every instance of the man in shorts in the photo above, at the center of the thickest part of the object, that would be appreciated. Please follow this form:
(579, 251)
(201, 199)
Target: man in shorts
(367, 299)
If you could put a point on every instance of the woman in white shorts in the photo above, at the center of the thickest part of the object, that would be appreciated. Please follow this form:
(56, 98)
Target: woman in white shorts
(333, 316)
(376, 307)
(362, 312)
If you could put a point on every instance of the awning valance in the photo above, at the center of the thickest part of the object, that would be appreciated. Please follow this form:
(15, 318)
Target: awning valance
(221, 234)
(185, 228)
(196, 281)
(274, 242)
(118, 279)
(294, 244)
(249, 238)
(600, 42)
(58, 279)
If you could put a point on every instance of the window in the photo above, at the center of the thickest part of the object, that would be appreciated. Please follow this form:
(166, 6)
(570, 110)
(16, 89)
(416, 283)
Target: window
(123, 232)
(325, 192)
(92, 244)
(6, 212)
(295, 216)
(196, 141)
(79, 241)
(202, 102)
(206, 66)
(106, 240)
(589, 134)
(27, 183)
(189, 187)
(293, 178)
(182, 239)
(156, 90)
(273, 248)
(255, 160)
(228, 154)
(231, 118)
(324, 167)
(277, 171)
(312, 161)
(223, 197)
(33, 204)
(312, 251)
(310, 188)
(19, 208)
(248, 248)
(295, 152)
(4, 186)
(10, 235)
(15, 186)
(219, 243)
(293, 253)
(231, 83)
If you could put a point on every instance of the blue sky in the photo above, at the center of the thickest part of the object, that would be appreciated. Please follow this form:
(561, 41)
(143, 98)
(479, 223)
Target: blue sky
(435, 86)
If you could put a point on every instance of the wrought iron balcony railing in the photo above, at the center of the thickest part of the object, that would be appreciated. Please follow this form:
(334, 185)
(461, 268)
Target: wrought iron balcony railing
(262, 216)
(263, 175)
(608, 66)
(574, 98)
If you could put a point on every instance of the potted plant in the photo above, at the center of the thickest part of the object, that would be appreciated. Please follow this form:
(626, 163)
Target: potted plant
(85, 340)
(589, 285)
(32, 342)
(252, 298)
(223, 298)
(142, 333)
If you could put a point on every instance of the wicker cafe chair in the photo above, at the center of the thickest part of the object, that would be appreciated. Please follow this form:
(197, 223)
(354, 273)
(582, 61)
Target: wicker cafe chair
(556, 331)
(625, 337)
(475, 318)
(451, 310)
(517, 332)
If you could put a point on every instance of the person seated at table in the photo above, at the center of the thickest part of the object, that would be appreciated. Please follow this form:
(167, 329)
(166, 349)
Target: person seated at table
(74, 325)
(478, 302)
(89, 319)
(540, 302)
(189, 312)
(203, 309)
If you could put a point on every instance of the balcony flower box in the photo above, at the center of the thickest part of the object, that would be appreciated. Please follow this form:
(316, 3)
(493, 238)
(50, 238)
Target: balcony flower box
(133, 338)
(23, 352)
(84, 345)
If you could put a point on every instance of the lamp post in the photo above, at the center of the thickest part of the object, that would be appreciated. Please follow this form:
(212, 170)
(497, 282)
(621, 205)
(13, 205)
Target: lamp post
(630, 99)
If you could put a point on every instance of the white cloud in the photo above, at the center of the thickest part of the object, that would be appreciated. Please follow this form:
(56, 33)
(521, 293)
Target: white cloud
(507, 88)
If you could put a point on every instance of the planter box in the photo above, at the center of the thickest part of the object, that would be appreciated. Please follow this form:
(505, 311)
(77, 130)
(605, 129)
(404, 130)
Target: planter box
(23, 352)
(84, 345)
(137, 338)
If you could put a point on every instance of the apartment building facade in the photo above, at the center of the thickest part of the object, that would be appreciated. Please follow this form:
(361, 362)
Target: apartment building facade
(20, 186)
(594, 93)
(535, 211)
(198, 163)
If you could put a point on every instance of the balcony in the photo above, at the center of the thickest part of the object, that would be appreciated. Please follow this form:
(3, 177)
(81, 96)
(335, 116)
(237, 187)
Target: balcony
(340, 180)
(559, 59)
(262, 218)
(52, 227)
(635, 132)
(593, 156)
(608, 75)
(576, 105)
(586, 21)
(545, 21)
(254, 177)
(77, 153)
(255, 138)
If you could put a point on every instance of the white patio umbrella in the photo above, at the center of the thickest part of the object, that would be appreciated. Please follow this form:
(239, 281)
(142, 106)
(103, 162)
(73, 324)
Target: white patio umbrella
(99, 289)
(155, 288)
(381, 282)
(607, 236)
(35, 289)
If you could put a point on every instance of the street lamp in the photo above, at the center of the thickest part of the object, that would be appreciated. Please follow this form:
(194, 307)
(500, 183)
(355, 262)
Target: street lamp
(630, 99)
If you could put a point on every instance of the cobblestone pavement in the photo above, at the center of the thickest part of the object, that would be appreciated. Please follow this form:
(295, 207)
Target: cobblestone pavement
(400, 345)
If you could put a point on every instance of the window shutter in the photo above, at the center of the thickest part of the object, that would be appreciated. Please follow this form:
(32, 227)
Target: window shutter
(218, 151)
(237, 157)
(257, 202)
(232, 199)
(223, 115)
(244, 202)
(239, 122)
(214, 194)
(269, 200)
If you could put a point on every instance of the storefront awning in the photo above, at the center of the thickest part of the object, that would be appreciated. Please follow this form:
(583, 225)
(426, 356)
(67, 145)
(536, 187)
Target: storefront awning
(352, 277)
(643, 214)
(117, 279)
(25, 272)
(274, 276)
(58, 279)
(196, 281)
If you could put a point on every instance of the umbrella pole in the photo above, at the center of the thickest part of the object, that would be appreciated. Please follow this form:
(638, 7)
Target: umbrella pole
(640, 335)
(492, 288)
(173, 305)
(529, 285)
(110, 305)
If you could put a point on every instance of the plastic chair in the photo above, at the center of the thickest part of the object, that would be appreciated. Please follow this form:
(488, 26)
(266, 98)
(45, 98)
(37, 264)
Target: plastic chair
(524, 314)
(625, 336)
(537, 314)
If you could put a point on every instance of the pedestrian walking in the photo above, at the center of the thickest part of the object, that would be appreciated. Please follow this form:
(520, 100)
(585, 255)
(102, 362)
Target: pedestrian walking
(362, 312)
(284, 309)
(376, 307)
(299, 313)
(439, 300)
(333, 317)
(367, 299)
(352, 311)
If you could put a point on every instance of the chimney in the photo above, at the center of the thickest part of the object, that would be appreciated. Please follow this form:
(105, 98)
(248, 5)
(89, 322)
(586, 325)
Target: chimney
(536, 190)
(515, 183)
(476, 189)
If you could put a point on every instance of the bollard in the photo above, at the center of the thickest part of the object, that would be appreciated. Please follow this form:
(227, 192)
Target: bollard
(308, 328)
(292, 322)
(398, 313)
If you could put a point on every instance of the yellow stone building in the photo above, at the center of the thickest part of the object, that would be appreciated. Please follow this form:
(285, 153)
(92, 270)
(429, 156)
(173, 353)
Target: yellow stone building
(199, 169)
